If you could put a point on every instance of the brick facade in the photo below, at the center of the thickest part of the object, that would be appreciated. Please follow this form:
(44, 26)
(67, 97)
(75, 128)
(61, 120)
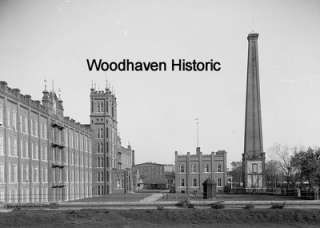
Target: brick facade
(152, 175)
(44, 156)
(191, 170)
(253, 157)
(112, 163)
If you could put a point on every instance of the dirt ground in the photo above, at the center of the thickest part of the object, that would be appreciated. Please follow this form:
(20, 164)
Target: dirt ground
(269, 218)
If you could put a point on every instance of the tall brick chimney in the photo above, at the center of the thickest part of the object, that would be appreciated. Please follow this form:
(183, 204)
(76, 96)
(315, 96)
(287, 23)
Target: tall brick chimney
(253, 156)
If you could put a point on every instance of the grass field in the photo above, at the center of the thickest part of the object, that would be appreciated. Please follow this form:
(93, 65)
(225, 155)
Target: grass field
(226, 197)
(268, 218)
(129, 197)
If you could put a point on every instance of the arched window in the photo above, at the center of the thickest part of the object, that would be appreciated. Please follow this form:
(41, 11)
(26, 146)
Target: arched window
(254, 167)
(100, 133)
(98, 106)
(182, 182)
(101, 107)
(101, 148)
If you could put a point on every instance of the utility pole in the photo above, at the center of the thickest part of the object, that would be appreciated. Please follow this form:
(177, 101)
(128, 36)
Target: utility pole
(197, 131)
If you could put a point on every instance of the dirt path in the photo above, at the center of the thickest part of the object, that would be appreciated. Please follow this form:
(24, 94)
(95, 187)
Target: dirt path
(154, 197)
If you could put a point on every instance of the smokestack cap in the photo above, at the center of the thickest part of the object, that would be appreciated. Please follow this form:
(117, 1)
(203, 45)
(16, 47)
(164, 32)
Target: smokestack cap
(252, 36)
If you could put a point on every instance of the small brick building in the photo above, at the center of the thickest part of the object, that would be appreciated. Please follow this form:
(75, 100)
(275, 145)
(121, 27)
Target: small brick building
(152, 175)
(192, 170)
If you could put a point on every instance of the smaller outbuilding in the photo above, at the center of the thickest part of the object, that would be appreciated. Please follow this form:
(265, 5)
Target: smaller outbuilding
(209, 189)
(152, 175)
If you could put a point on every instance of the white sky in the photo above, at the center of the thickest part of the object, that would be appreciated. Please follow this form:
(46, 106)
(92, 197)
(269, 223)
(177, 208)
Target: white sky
(156, 111)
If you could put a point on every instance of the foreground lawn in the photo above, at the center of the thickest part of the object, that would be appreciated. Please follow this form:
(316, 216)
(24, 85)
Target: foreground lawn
(117, 197)
(163, 218)
(226, 197)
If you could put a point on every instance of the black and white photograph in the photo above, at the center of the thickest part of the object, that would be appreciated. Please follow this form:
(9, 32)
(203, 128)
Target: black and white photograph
(159, 113)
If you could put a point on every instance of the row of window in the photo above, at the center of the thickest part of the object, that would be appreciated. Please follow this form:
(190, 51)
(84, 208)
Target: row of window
(74, 176)
(80, 193)
(194, 168)
(77, 141)
(12, 144)
(24, 148)
(13, 173)
(101, 107)
(100, 147)
(57, 174)
(11, 115)
(72, 139)
(34, 151)
(78, 159)
(37, 194)
(100, 132)
(100, 189)
(84, 143)
(195, 182)
(100, 162)
(12, 123)
(100, 176)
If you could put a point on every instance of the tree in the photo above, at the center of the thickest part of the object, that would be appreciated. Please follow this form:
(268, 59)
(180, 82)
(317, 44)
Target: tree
(308, 165)
(283, 155)
(236, 173)
(236, 164)
(273, 173)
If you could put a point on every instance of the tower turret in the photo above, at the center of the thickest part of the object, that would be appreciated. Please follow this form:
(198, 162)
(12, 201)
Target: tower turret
(104, 127)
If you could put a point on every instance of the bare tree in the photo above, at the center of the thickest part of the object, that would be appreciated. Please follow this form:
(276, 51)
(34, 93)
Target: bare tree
(283, 154)
(273, 174)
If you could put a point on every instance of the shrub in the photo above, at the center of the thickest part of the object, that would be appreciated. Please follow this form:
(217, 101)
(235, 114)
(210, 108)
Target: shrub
(53, 205)
(160, 207)
(277, 205)
(227, 189)
(13, 206)
(217, 205)
(17, 208)
(185, 203)
(248, 206)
